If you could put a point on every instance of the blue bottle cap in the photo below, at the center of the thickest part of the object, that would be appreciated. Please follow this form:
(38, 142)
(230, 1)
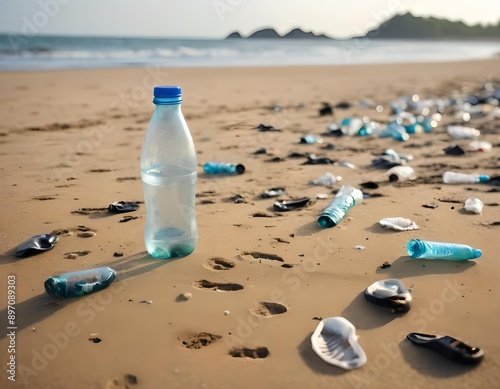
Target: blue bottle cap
(167, 95)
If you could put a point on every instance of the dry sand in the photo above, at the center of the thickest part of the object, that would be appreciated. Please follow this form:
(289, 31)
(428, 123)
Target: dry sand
(72, 140)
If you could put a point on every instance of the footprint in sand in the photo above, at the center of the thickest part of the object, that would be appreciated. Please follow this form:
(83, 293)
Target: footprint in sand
(218, 286)
(122, 383)
(268, 309)
(218, 263)
(80, 231)
(260, 256)
(197, 341)
(257, 353)
(76, 254)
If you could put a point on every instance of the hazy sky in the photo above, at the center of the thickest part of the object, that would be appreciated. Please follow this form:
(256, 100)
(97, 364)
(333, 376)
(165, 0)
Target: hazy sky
(218, 18)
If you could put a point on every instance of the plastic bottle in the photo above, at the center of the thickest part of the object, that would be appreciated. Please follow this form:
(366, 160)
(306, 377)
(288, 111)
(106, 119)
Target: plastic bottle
(168, 170)
(463, 178)
(400, 173)
(223, 168)
(477, 145)
(345, 199)
(79, 283)
(439, 250)
(398, 131)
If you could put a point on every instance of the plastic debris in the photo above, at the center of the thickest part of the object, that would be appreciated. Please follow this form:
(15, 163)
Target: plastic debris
(398, 224)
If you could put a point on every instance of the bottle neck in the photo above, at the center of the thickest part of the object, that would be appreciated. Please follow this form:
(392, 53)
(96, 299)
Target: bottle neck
(172, 101)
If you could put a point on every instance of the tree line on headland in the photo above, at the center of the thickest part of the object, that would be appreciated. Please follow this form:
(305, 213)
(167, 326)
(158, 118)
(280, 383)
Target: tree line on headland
(405, 26)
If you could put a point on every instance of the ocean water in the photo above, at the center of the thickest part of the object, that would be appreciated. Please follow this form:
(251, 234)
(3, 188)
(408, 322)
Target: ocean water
(44, 52)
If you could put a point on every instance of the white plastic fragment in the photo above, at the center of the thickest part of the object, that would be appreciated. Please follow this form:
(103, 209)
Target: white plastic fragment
(327, 179)
(473, 204)
(335, 342)
(398, 224)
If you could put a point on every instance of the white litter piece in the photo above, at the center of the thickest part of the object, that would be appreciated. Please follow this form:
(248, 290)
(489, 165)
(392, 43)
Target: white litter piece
(322, 196)
(359, 247)
(473, 204)
(462, 132)
(398, 224)
(335, 342)
(327, 179)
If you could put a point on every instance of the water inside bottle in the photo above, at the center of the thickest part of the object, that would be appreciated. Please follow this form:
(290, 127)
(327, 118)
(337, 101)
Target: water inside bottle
(170, 229)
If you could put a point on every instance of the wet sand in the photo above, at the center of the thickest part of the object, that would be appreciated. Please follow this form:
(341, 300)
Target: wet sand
(70, 146)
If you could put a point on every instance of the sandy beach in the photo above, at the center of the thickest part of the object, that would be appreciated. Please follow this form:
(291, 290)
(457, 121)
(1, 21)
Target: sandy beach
(70, 145)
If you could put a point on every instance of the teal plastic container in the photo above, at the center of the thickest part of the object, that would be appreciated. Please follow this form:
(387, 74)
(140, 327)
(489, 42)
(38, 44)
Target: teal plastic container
(439, 250)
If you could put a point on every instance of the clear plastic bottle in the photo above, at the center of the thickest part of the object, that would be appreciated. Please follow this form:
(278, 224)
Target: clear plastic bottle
(168, 171)
(345, 199)
(79, 283)
(463, 178)
(223, 168)
(439, 250)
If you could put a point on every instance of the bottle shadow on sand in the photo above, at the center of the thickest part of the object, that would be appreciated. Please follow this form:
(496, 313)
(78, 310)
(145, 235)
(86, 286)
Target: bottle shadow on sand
(41, 306)
(406, 266)
(365, 315)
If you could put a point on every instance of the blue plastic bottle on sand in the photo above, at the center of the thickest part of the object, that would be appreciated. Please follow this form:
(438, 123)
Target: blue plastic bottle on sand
(439, 250)
(223, 168)
(345, 199)
(168, 171)
(79, 283)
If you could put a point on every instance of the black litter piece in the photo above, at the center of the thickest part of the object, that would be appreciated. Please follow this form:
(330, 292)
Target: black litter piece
(290, 205)
(454, 150)
(326, 110)
(369, 185)
(262, 150)
(122, 207)
(384, 163)
(265, 128)
(319, 161)
(449, 347)
(36, 243)
(298, 155)
(495, 180)
(273, 192)
(328, 146)
(343, 105)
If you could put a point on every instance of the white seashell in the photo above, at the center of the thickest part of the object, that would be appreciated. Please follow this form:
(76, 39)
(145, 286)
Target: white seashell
(335, 342)
(398, 224)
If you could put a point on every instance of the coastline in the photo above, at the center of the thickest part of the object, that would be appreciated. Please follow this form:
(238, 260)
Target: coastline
(71, 140)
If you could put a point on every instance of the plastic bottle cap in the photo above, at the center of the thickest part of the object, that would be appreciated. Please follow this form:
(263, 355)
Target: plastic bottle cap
(477, 253)
(240, 169)
(167, 92)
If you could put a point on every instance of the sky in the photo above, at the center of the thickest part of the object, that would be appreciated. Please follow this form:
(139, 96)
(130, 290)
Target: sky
(218, 18)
